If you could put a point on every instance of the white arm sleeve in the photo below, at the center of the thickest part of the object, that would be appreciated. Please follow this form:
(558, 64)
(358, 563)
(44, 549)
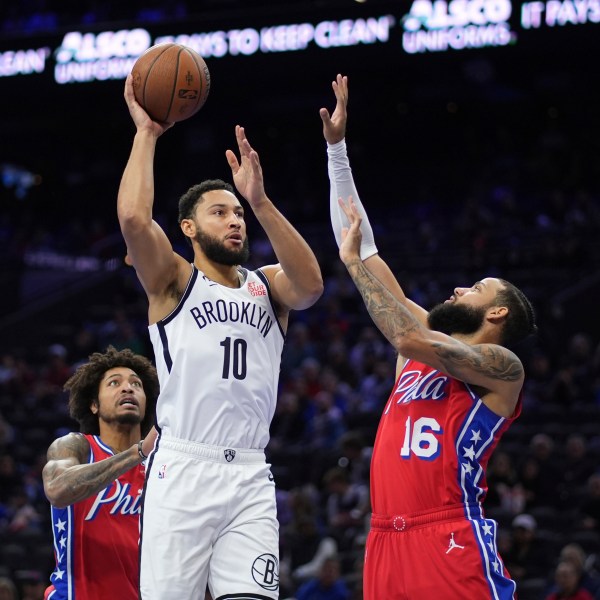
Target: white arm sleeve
(342, 186)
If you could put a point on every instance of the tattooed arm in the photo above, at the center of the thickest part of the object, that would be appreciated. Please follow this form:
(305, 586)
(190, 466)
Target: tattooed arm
(491, 367)
(68, 477)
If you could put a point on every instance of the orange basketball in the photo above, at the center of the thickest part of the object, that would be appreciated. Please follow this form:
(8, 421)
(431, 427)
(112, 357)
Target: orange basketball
(171, 82)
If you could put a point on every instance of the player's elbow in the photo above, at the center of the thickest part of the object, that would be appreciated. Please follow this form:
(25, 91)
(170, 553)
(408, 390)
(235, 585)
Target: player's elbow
(131, 222)
(313, 291)
(317, 288)
(56, 495)
(408, 344)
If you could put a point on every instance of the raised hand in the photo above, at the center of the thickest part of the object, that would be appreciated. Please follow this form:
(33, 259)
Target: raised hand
(334, 127)
(247, 172)
(139, 115)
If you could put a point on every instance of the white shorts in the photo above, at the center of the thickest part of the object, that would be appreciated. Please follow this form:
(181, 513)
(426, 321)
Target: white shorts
(208, 517)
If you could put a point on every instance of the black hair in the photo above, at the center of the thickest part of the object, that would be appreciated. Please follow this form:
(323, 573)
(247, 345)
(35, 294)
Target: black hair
(520, 322)
(84, 385)
(189, 200)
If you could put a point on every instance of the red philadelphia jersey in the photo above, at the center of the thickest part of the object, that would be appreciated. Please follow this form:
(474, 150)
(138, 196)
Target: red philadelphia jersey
(96, 539)
(433, 444)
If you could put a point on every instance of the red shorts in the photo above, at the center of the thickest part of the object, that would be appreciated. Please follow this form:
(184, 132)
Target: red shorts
(440, 555)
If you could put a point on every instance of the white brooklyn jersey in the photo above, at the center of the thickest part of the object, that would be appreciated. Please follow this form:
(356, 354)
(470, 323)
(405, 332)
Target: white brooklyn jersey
(218, 356)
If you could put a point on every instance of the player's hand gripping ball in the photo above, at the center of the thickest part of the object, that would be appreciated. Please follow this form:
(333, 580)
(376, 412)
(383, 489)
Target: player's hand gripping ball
(171, 82)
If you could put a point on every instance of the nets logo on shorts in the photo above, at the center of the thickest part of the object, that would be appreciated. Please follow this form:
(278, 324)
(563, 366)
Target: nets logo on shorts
(265, 571)
(229, 454)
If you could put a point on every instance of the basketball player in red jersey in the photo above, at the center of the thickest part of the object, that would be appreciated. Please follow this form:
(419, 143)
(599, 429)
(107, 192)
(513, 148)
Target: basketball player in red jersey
(94, 479)
(458, 389)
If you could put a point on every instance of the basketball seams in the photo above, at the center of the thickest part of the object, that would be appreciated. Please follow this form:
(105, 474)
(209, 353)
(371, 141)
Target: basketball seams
(149, 70)
(200, 80)
(175, 82)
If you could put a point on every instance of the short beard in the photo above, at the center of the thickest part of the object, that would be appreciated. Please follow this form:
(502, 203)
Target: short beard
(214, 250)
(126, 419)
(456, 318)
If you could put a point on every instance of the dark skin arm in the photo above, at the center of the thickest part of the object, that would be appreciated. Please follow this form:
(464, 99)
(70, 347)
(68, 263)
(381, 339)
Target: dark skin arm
(69, 478)
(494, 369)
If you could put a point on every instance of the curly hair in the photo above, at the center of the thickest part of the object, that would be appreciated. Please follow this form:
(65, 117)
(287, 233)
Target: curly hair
(84, 385)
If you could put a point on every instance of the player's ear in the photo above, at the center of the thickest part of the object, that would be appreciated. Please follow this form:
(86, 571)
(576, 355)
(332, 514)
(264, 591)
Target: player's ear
(188, 227)
(496, 314)
(94, 407)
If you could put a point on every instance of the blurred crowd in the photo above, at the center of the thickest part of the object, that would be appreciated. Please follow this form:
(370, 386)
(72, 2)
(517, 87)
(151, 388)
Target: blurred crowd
(517, 201)
(337, 372)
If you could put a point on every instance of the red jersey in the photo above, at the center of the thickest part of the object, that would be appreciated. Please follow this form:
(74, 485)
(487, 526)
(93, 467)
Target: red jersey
(433, 444)
(96, 539)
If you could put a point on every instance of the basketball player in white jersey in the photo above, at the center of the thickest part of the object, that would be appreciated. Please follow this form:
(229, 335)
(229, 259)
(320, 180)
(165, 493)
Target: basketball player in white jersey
(209, 514)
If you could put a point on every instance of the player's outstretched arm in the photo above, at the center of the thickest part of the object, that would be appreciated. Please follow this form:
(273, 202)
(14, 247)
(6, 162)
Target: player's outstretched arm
(69, 478)
(342, 186)
(489, 366)
(148, 248)
(338, 166)
(296, 282)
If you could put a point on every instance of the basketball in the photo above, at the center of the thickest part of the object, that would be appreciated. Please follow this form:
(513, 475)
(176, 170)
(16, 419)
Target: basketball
(171, 82)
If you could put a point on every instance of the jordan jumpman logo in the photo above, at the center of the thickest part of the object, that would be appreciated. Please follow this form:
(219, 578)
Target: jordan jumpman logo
(453, 544)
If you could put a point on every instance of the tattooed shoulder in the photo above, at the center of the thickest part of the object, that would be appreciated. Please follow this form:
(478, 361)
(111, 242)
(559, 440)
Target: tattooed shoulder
(69, 446)
(489, 360)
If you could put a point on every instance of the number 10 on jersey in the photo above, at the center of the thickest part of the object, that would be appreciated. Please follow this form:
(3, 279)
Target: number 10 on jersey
(234, 357)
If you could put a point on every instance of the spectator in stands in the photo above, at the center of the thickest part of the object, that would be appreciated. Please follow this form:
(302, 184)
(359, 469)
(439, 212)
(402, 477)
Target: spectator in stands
(23, 517)
(590, 505)
(329, 585)
(32, 584)
(576, 466)
(57, 369)
(355, 457)
(568, 586)
(588, 579)
(504, 489)
(10, 479)
(573, 383)
(7, 433)
(298, 347)
(326, 424)
(540, 473)
(527, 558)
(347, 506)
(8, 589)
(304, 546)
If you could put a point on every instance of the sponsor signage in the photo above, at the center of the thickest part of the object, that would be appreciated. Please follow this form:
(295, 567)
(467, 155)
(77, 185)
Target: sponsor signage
(428, 26)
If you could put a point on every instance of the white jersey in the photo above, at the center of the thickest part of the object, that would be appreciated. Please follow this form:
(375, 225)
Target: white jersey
(218, 356)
